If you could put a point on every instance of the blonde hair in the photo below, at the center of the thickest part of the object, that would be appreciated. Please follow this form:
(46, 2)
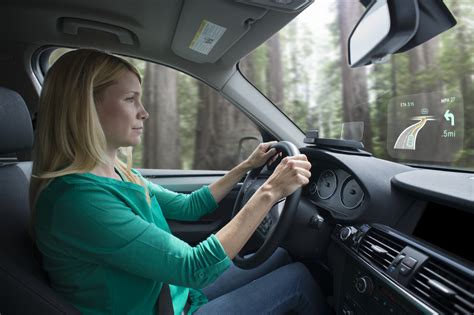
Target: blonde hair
(69, 137)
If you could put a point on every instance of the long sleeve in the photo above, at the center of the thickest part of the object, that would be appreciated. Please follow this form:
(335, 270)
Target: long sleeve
(95, 225)
(186, 207)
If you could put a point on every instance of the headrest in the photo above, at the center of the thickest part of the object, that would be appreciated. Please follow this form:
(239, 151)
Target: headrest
(16, 131)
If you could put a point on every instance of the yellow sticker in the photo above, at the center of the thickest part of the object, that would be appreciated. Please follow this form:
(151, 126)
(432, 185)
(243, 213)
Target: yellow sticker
(206, 37)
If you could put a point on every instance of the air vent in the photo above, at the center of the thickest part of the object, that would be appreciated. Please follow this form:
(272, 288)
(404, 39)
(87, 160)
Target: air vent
(444, 289)
(379, 248)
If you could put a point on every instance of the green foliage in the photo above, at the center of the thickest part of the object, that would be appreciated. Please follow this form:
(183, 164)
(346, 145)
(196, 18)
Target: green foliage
(329, 102)
(137, 156)
(329, 86)
(188, 100)
(312, 81)
(259, 61)
(313, 91)
(299, 113)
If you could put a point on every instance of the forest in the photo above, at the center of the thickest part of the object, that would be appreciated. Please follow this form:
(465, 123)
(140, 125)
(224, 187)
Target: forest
(303, 70)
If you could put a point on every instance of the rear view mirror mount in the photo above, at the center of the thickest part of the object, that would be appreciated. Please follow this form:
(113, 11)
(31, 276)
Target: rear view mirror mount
(384, 28)
(394, 26)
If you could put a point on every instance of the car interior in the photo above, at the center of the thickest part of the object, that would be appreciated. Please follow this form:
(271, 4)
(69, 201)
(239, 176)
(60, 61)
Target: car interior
(379, 236)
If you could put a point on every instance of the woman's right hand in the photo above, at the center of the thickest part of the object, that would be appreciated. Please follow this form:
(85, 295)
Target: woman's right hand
(292, 173)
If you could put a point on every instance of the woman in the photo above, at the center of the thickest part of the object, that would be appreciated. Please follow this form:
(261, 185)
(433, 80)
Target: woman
(101, 226)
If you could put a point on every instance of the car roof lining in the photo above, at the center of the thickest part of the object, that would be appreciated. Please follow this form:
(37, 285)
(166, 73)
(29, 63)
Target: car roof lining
(152, 23)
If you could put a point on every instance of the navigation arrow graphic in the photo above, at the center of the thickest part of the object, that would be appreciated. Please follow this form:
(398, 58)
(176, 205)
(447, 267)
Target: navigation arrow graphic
(449, 117)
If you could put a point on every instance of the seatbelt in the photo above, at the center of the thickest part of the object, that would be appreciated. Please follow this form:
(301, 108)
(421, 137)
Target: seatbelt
(165, 303)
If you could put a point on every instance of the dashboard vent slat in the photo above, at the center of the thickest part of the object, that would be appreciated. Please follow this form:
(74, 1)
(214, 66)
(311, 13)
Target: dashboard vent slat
(457, 294)
(379, 248)
(446, 280)
(376, 260)
(390, 250)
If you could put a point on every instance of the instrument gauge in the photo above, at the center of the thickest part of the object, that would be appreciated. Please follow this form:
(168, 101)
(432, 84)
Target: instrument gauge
(351, 193)
(327, 184)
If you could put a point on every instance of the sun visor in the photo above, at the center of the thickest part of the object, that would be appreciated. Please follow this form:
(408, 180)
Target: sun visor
(208, 28)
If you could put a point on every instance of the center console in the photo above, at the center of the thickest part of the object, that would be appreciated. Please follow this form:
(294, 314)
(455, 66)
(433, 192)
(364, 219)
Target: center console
(366, 293)
(386, 272)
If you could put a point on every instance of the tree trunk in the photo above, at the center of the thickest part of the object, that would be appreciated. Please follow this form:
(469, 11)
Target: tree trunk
(161, 147)
(219, 127)
(354, 81)
(274, 71)
(416, 63)
(393, 75)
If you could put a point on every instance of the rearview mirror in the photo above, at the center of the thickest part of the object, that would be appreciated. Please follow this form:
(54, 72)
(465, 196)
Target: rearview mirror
(385, 27)
(395, 26)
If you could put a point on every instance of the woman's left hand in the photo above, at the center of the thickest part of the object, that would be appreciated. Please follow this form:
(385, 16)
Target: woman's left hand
(261, 154)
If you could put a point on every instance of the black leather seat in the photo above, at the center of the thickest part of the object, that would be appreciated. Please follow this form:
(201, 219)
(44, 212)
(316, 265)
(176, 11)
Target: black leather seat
(24, 287)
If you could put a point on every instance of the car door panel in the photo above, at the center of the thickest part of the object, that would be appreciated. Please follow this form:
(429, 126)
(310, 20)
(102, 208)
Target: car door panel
(187, 182)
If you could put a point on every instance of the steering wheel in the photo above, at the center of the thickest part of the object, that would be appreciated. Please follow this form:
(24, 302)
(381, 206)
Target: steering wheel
(275, 225)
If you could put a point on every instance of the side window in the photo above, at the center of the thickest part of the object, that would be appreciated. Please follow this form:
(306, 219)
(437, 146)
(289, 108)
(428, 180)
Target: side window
(191, 126)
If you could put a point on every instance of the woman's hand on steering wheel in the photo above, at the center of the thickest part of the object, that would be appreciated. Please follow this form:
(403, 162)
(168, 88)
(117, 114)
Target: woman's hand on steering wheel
(273, 223)
(292, 173)
(261, 155)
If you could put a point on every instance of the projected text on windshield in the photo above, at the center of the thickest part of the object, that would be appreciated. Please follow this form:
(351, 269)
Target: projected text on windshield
(425, 127)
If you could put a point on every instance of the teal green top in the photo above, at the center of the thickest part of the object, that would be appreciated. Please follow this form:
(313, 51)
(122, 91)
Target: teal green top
(107, 250)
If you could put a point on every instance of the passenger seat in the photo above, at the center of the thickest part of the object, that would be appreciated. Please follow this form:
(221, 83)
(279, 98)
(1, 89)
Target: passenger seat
(24, 286)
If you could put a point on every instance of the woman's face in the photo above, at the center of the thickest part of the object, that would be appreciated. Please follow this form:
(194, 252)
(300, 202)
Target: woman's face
(121, 112)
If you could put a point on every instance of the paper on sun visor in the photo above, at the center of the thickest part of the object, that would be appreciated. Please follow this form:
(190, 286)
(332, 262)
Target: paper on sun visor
(206, 37)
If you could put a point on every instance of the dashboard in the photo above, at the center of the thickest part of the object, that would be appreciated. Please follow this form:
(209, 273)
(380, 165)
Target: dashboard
(399, 236)
(335, 189)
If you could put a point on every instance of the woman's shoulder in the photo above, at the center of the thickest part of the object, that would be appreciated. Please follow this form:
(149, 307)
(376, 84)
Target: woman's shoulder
(75, 192)
(87, 179)
(67, 191)
(82, 183)
(71, 184)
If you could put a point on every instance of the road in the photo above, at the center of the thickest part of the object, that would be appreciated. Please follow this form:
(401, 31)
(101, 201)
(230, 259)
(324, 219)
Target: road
(407, 139)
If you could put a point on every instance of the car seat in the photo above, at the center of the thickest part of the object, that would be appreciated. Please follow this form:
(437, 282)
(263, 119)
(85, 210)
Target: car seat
(24, 286)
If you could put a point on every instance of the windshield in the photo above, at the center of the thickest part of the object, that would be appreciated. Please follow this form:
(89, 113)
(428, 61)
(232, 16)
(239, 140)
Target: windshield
(416, 108)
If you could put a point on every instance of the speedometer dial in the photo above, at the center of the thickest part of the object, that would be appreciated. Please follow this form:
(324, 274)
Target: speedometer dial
(351, 193)
(327, 184)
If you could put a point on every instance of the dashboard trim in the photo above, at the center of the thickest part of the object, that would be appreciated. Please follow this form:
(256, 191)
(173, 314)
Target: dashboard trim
(328, 208)
(454, 189)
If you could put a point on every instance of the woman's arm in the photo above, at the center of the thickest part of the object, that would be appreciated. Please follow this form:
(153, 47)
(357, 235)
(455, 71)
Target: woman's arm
(183, 207)
(94, 225)
(224, 185)
(290, 174)
(190, 207)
